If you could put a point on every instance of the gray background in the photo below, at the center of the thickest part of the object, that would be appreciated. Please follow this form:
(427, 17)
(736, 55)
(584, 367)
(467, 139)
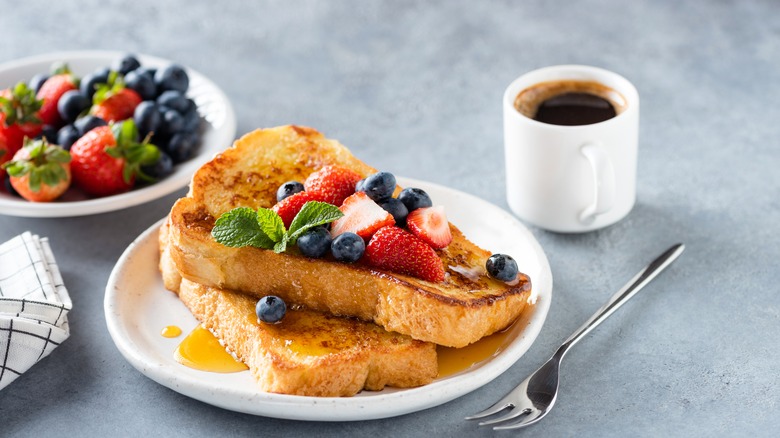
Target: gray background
(415, 89)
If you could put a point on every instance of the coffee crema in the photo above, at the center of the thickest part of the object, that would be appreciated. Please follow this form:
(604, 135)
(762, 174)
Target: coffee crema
(570, 102)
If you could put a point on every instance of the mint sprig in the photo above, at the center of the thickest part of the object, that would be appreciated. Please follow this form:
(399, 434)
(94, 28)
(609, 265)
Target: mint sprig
(263, 228)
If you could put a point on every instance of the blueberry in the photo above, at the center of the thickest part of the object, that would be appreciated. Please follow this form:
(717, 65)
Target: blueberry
(379, 186)
(270, 309)
(502, 267)
(397, 209)
(314, 242)
(8, 187)
(37, 81)
(191, 119)
(90, 82)
(71, 104)
(348, 247)
(172, 77)
(146, 71)
(88, 123)
(67, 135)
(126, 64)
(288, 189)
(49, 132)
(172, 122)
(142, 84)
(162, 168)
(181, 146)
(414, 198)
(174, 100)
(147, 118)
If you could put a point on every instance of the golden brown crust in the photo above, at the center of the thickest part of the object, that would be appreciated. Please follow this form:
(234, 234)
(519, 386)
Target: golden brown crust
(308, 353)
(463, 308)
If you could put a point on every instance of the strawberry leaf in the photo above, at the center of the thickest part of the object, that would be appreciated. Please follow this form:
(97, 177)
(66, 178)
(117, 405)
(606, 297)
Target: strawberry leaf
(21, 107)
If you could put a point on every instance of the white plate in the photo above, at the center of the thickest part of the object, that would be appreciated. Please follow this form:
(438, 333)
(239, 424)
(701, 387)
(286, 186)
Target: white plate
(219, 130)
(137, 307)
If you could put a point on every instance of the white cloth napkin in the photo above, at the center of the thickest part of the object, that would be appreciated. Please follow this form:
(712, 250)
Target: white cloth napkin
(34, 305)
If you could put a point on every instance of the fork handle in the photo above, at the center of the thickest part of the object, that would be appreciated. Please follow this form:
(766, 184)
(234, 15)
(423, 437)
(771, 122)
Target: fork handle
(629, 290)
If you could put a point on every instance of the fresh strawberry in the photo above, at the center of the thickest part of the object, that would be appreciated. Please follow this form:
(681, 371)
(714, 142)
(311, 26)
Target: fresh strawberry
(430, 224)
(362, 216)
(398, 250)
(40, 172)
(50, 92)
(107, 159)
(113, 102)
(18, 119)
(118, 106)
(288, 207)
(333, 182)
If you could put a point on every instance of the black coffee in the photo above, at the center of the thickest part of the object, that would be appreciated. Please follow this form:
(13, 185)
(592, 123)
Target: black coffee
(571, 109)
(570, 102)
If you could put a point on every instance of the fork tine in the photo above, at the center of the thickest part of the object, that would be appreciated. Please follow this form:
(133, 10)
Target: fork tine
(532, 418)
(496, 408)
(514, 413)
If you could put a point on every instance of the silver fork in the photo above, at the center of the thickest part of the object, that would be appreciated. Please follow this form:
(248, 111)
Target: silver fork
(536, 395)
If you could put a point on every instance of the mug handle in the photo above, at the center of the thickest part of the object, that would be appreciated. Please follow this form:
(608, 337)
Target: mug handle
(603, 179)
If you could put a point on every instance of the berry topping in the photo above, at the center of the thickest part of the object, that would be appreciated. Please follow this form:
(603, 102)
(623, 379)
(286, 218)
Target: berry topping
(90, 82)
(290, 206)
(502, 267)
(414, 198)
(142, 84)
(288, 189)
(333, 183)
(430, 224)
(362, 216)
(397, 250)
(270, 309)
(379, 186)
(348, 247)
(315, 242)
(147, 118)
(397, 209)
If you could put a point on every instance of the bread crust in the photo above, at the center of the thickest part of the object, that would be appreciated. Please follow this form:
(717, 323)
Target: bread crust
(462, 309)
(308, 352)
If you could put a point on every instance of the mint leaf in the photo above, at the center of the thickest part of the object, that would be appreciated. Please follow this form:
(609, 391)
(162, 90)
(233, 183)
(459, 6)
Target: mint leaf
(241, 227)
(264, 228)
(313, 214)
(271, 224)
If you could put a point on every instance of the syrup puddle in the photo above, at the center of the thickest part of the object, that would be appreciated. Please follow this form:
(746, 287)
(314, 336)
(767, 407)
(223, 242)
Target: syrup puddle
(202, 351)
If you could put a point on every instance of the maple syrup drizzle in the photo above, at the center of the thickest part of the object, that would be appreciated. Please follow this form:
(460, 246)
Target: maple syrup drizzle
(170, 331)
(202, 351)
(455, 360)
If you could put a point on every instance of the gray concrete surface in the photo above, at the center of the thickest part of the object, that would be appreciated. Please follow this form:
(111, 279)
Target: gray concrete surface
(415, 88)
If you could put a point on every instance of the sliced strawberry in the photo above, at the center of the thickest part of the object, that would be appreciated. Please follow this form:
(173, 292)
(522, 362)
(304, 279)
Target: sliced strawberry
(50, 93)
(362, 216)
(333, 182)
(288, 207)
(430, 224)
(120, 105)
(397, 250)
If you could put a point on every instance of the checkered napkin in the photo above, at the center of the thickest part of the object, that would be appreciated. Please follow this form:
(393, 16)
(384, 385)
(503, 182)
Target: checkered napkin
(34, 305)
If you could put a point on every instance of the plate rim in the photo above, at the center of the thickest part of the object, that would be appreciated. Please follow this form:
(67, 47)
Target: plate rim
(399, 400)
(226, 134)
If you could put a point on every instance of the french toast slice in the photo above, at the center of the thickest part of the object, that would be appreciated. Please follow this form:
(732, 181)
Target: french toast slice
(308, 353)
(460, 310)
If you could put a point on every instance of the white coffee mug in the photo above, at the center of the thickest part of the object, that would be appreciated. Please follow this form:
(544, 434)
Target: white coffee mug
(571, 178)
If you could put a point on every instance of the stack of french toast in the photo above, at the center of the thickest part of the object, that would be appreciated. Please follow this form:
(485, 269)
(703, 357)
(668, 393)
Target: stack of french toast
(349, 326)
